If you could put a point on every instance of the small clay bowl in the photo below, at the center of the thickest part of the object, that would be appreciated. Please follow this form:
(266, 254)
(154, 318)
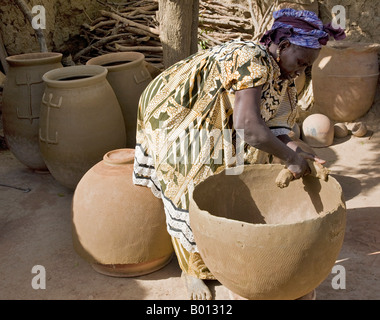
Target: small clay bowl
(359, 129)
(340, 130)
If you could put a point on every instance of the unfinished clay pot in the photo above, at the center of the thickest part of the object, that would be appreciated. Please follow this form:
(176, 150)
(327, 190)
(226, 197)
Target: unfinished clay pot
(345, 78)
(128, 76)
(119, 227)
(22, 95)
(318, 130)
(259, 249)
(81, 120)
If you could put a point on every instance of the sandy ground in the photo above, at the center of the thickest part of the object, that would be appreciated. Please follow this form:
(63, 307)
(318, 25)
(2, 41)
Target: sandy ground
(35, 229)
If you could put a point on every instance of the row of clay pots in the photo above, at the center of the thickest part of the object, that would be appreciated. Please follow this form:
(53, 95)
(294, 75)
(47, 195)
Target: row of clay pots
(72, 121)
(358, 129)
(344, 80)
(66, 119)
(319, 131)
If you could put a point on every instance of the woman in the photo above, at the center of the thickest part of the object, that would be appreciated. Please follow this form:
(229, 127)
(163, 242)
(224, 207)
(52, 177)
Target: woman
(189, 127)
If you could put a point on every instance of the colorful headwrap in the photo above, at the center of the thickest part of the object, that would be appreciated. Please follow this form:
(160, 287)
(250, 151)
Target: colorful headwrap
(302, 28)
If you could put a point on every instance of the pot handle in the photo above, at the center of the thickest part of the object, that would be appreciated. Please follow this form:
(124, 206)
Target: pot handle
(142, 76)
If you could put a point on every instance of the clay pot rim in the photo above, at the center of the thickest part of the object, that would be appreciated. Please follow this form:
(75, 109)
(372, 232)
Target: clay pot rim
(340, 205)
(127, 156)
(268, 226)
(92, 74)
(135, 57)
(349, 46)
(30, 59)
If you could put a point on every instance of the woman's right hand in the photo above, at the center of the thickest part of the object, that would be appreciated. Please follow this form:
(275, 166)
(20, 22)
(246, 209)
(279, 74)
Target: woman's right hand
(298, 166)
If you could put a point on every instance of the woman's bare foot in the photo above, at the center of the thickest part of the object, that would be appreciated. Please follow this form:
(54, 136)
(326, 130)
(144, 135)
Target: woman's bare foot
(196, 288)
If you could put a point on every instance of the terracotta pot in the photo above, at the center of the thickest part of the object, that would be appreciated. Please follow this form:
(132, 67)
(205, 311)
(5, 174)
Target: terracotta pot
(128, 76)
(345, 78)
(318, 130)
(118, 227)
(259, 249)
(81, 120)
(22, 95)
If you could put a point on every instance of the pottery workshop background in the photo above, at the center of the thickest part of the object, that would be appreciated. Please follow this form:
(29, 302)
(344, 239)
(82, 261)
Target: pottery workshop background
(65, 18)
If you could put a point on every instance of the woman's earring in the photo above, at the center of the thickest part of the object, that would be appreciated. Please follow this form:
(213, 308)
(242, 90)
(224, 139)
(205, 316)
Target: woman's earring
(278, 55)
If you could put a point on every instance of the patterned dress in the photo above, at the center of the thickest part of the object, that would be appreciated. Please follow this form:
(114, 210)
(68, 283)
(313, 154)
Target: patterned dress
(185, 131)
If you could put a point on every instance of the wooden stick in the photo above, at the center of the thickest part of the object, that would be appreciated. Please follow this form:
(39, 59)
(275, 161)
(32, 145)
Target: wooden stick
(228, 6)
(102, 24)
(97, 44)
(204, 35)
(154, 59)
(141, 32)
(138, 48)
(129, 22)
(225, 17)
(254, 20)
(223, 23)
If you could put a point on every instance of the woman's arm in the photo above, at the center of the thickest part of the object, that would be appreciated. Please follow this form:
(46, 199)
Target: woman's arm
(247, 116)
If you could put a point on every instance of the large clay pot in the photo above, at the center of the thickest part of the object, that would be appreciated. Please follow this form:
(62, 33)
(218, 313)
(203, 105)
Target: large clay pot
(345, 77)
(128, 76)
(22, 95)
(119, 227)
(81, 120)
(281, 248)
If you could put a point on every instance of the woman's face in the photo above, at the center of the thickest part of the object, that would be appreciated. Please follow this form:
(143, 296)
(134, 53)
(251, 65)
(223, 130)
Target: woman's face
(295, 59)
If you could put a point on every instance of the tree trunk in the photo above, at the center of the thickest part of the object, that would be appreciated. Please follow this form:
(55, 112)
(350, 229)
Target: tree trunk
(178, 29)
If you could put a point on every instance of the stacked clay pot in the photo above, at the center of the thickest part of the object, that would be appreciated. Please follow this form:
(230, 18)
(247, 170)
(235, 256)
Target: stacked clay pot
(23, 90)
(259, 249)
(128, 76)
(345, 78)
(119, 227)
(80, 121)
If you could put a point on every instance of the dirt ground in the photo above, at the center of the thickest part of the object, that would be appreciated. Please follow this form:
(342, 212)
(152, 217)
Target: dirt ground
(35, 229)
